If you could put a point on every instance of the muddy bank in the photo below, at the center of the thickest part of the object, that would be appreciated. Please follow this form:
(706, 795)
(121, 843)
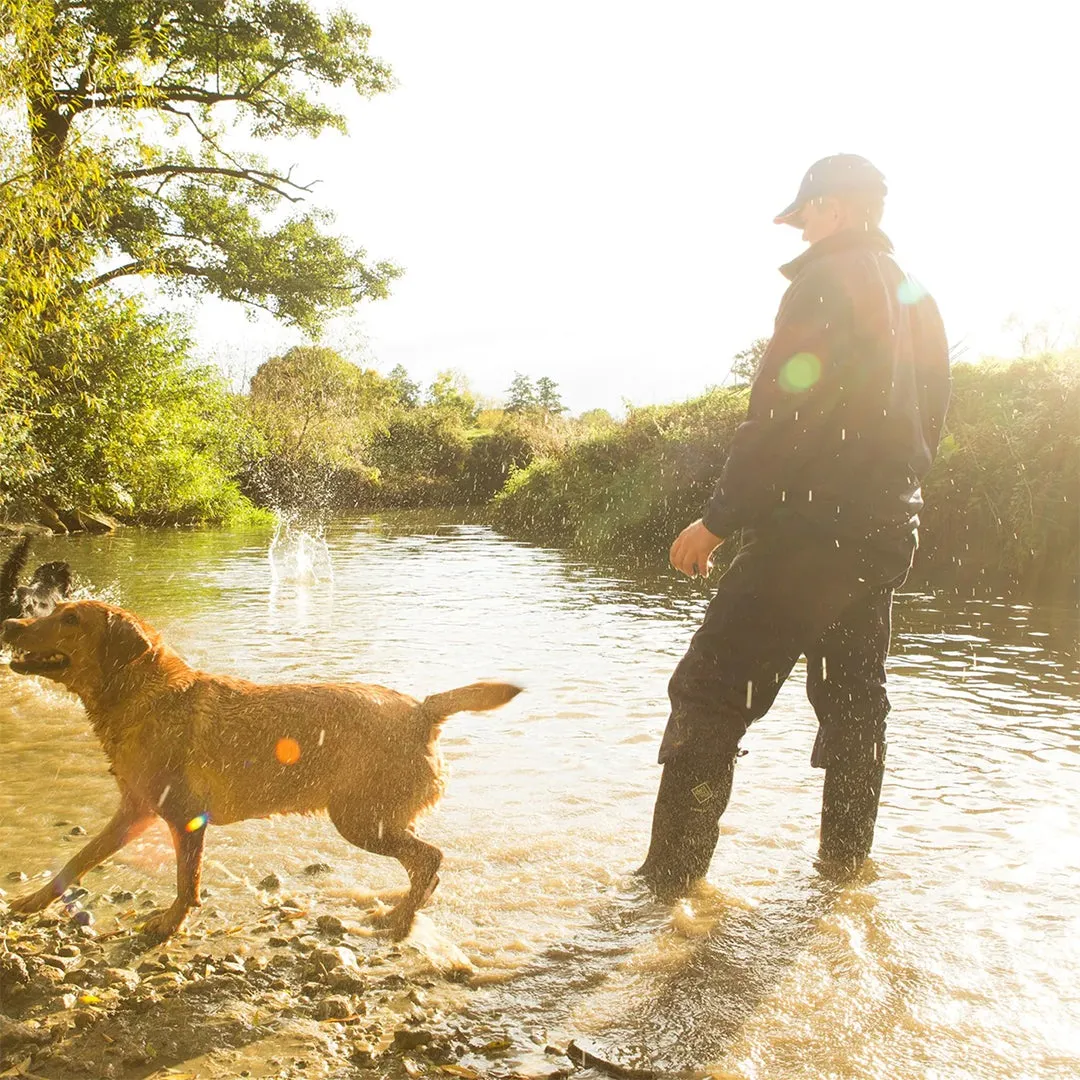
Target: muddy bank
(302, 993)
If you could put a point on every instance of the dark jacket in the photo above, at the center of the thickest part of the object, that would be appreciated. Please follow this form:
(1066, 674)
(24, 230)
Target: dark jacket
(848, 402)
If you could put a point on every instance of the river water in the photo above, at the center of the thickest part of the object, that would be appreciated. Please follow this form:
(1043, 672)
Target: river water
(956, 954)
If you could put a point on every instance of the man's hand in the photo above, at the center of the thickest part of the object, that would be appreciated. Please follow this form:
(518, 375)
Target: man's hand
(692, 551)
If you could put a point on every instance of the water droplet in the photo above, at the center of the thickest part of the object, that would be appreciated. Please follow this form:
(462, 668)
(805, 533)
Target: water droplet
(164, 795)
(749, 693)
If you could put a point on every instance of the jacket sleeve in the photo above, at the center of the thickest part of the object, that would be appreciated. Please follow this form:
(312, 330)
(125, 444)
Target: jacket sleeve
(798, 384)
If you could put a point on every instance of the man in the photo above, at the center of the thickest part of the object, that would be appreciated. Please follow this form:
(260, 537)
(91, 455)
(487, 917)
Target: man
(823, 480)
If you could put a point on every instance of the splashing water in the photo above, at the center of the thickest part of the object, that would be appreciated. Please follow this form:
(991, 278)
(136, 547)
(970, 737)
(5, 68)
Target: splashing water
(298, 556)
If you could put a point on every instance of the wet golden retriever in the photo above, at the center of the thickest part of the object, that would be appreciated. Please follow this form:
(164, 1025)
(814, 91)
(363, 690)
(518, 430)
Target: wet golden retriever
(197, 749)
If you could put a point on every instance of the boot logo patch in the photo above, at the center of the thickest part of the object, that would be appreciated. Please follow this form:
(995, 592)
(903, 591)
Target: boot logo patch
(703, 793)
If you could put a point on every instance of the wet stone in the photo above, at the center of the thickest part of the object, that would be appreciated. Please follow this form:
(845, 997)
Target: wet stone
(17, 875)
(330, 924)
(406, 1039)
(122, 896)
(68, 950)
(13, 972)
(346, 981)
(327, 959)
(123, 977)
(270, 883)
(333, 1008)
(77, 830)
(317, 868)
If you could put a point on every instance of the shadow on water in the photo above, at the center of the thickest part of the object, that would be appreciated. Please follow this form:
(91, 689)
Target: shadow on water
(648, 991)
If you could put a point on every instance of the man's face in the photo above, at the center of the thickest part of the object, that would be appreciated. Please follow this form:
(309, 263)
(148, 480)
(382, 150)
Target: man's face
(820, 218)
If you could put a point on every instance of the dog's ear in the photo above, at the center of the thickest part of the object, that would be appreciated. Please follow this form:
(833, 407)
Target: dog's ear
(124, 641)
(53, 575)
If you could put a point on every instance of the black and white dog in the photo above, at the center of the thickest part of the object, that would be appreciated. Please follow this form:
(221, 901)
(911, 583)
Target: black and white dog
(49, 584)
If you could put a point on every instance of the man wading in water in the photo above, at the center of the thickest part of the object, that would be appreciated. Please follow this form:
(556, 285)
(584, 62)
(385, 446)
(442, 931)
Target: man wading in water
(823, 479)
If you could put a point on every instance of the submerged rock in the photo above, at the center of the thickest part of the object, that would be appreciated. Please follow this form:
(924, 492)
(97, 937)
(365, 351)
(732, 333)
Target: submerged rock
(270, 883)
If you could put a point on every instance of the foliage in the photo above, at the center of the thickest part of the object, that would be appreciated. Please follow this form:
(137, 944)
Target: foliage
(450, 393)
(547, 396)
(116, 163)
(744, 364)
(129, 427)
(128, 104)
(621, 487)
(521, 396)
(1001, 500)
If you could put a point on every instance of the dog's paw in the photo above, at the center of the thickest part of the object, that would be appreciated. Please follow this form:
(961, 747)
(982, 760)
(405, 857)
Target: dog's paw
(397, 922)
(35, 901)
(163, 924)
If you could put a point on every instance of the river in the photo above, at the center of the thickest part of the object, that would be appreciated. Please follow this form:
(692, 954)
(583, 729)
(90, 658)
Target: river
(956, 954)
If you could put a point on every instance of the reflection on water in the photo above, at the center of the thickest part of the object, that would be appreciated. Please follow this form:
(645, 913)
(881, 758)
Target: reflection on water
(957, 955)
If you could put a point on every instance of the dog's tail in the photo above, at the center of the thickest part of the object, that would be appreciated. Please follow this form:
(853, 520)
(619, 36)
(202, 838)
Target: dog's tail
(12, 568)
(476, 697)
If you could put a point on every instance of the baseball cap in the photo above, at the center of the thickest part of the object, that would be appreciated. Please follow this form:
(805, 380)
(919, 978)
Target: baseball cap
(840, 174)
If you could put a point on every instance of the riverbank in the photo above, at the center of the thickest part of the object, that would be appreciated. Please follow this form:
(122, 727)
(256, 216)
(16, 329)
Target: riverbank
(84, 995)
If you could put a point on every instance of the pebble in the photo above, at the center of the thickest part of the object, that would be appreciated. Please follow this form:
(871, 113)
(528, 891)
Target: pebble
(326, 959)
(122, 896)
(406, 1039)
(69, 950)
(270, 883)
(346, 981)
(17, 875)
(77, 830)
(83, 918)
(120, 977)
(317, 868)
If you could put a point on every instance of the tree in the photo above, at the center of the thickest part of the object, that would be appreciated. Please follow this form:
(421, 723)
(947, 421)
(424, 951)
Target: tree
(744, 365)
(151, 187)
(408, 391)
(547, 396)
(521, 397)
(450, 393)
(311, 403)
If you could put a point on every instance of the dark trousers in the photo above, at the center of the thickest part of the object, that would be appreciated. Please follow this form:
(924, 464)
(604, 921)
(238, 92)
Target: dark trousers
(783, 597)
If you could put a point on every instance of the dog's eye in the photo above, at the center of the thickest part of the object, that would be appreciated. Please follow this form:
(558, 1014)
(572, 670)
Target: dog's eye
(70, 618)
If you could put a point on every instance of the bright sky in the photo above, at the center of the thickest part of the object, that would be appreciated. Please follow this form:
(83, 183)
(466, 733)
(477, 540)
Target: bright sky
(585, 188)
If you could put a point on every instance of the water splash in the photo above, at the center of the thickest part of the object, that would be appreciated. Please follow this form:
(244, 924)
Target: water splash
(298, 556)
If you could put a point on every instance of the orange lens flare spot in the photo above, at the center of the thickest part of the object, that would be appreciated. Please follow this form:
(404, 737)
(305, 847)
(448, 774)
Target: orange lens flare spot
(197, 822)
(287, 751)
(800, 373)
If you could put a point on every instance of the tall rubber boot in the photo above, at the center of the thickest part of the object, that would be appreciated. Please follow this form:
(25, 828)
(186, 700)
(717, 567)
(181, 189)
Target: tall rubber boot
(686, 823)
(849, 806)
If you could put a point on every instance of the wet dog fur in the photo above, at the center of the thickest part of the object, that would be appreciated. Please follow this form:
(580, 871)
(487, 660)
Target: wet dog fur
(198, 749)
(49, 584)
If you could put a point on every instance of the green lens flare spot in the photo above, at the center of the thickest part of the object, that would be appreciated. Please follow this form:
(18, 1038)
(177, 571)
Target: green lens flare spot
(800, 373)
(910, 291)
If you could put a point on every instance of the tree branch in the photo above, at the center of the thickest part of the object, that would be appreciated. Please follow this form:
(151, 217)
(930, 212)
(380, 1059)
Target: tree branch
(259, 177)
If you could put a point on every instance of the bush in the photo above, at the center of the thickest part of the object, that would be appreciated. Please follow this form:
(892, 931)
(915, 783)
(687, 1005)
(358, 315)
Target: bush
(114, 418)
(1001, 500)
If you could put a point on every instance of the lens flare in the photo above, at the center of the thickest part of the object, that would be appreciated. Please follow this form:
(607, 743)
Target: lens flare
(800, 373)
(910, 291)
(197, 822)
(287, 751)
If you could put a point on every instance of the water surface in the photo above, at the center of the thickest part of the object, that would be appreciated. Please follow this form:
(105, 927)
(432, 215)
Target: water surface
(957, 956)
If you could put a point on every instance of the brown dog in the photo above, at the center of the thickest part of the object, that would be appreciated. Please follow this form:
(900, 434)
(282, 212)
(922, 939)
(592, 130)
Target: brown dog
(198, 749)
